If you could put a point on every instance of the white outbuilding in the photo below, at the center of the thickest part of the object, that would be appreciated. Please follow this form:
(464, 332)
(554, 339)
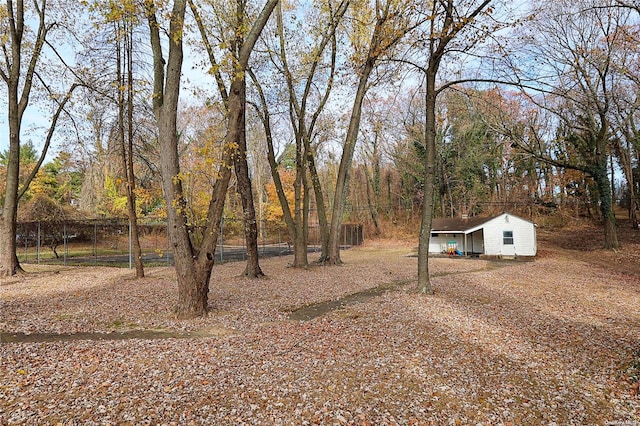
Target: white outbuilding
(505, 236)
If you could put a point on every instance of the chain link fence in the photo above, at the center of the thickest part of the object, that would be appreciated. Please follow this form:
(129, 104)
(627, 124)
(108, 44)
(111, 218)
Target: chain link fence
(108, 241)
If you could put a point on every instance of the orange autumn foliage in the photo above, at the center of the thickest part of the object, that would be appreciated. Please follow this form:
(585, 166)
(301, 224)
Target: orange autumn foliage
(273, 209)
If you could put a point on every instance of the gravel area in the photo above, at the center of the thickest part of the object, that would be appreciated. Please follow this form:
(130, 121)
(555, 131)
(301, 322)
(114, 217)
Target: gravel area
(553, 342)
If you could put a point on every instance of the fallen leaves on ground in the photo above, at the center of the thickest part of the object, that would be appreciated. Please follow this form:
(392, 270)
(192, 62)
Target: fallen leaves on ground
(500, 343)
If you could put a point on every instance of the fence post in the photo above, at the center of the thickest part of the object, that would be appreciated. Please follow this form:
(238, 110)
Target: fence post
(64, 243)
(95, 242)
(130, 248)
(26, 240)
(38, 246)
(244, 238)
(221, 239)
(168, 242)
(264, 234)
(344, 234)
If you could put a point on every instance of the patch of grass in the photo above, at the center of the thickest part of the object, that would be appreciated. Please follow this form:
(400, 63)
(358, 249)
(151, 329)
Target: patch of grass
(121, 324)
(46, 254)
(117, 324)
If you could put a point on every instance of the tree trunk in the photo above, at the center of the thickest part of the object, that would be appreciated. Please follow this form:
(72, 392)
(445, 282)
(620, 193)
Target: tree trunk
(300, 259)
(424, 282)
(372, 202)
(304, 129)
(321, 209)
(193, 268)
(252, 269)
(133, 215)
(124, 59)
(380, 41)
(633, 202)
(16, 105)
(342, 181)
(9, 264)
(606, 203)
(626, 164)
(372, 184)
(193, 289)
(135, 237)
(273, 166)
(633, 208)
(192, 275)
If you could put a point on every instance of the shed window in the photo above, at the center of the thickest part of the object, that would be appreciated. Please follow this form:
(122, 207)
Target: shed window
(507, 238)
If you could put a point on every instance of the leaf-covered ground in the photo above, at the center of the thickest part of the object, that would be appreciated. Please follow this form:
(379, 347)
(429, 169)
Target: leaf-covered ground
(553, 341)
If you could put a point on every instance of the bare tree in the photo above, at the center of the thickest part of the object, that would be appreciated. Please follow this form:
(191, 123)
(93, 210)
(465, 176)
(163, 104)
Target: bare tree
(309, 83)
(238, 49)
(23, 33)
(123, 26)
(573, 44)
(391, 21)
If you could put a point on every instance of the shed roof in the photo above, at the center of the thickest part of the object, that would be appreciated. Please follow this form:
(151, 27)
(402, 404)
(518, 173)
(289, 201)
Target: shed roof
(457, 224)
(466, 226)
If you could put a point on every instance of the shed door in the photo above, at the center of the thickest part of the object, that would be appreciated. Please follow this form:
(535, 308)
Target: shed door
(508, 246)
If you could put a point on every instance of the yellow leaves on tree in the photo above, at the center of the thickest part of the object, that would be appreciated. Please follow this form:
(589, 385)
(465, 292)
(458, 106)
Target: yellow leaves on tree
(4, 19)
(200, 165)
(115, 203)
(360, 32)
(113, 11)
(43, 184)
(115, 198)
(273, 209)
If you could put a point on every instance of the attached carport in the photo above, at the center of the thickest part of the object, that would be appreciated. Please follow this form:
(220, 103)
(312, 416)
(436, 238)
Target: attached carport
(467, 233)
